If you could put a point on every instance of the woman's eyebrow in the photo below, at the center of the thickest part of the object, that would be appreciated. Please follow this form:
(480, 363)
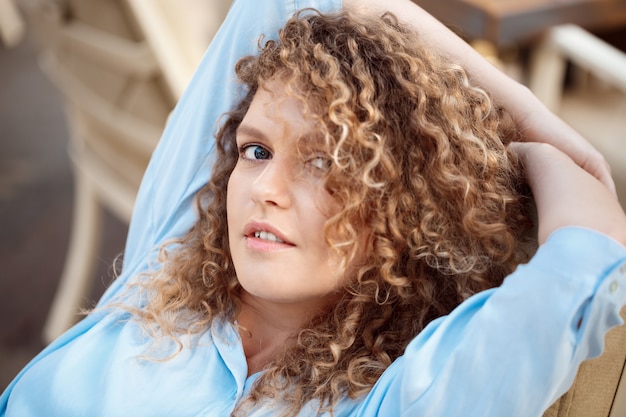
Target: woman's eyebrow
(251, 131)
(312, 140)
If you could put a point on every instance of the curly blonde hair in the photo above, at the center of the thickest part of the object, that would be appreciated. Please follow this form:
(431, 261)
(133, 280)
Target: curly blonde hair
(419, 161)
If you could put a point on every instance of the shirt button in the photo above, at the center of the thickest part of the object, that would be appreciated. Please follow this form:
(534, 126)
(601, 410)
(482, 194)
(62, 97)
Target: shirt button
(622, 269)
(613, 287)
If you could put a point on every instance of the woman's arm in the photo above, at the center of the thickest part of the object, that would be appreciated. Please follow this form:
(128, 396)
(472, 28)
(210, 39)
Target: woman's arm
(537, 122)
(513, 350)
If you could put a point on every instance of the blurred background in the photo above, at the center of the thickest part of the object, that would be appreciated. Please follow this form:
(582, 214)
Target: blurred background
(86, 87)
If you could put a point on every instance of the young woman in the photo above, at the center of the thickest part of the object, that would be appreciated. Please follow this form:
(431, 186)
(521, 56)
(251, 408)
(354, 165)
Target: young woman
(347, 252)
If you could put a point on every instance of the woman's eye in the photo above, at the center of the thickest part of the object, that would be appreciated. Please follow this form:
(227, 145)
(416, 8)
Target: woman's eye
(254, 152)
(320, 162)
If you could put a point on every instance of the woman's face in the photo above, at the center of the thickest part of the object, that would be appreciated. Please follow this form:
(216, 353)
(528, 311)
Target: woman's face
(277, 206)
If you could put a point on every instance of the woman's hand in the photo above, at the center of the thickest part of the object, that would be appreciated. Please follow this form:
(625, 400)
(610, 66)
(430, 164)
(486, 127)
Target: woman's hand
(538, 124)
(567, 195)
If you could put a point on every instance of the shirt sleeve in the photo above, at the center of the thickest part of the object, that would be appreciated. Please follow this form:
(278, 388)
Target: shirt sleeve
(181, 163)
(512, 351)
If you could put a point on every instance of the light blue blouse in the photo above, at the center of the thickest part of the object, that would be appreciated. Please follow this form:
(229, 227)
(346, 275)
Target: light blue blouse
(509, 351)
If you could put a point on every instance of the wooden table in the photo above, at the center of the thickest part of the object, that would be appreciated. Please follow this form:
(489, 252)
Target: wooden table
(512, 22)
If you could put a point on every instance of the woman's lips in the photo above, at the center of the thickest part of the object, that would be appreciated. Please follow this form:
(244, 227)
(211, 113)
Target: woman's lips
(264, 237)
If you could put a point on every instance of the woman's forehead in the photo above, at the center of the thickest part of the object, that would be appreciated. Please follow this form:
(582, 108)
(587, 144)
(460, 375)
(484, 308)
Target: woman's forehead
(278, 109)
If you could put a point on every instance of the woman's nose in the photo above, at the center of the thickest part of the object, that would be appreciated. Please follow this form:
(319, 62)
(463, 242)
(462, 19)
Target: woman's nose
(273, 185)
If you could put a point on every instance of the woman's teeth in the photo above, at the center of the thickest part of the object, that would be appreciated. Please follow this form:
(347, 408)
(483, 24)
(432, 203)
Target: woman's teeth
(267, 236)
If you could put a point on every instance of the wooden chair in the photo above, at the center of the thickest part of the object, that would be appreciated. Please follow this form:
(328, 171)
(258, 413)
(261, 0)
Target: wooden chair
(116, 104)
(600, 387)
(178, 32)
(11, 24)
(571, 44)
(121, 65)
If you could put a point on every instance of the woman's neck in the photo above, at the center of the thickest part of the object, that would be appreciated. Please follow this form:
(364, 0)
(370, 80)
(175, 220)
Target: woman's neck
(266, 328)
